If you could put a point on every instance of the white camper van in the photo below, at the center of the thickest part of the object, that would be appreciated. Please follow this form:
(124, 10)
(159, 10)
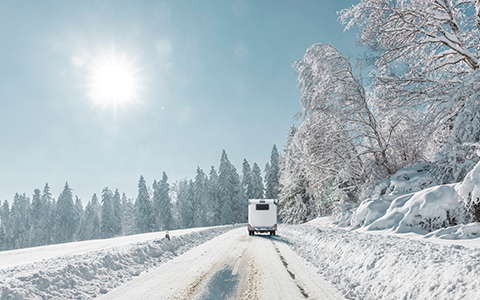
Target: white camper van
(262, 216)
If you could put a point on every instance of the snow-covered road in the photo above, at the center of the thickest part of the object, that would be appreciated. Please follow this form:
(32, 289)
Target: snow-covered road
(233, 265)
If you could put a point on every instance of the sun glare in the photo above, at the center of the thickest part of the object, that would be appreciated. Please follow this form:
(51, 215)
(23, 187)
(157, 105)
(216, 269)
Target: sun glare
(113, 81)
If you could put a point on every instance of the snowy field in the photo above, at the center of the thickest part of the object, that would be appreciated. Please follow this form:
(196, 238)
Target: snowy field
(83, 270)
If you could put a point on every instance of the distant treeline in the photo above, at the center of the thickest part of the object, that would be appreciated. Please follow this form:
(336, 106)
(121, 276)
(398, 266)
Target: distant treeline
(214, 199)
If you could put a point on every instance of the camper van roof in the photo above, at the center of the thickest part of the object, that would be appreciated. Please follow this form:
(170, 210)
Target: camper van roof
(256, 201)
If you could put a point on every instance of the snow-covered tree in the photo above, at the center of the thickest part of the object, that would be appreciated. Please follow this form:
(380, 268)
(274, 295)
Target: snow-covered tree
(7, 234)
(272, 177)
(65, 218)
(118, 213)
(201, 204)
(144, 218)
(165, 221)
(20, 218)
(128, 208)
(108, 215)
(247, 183)
(257, 183)
(186, 213)
(214, 196)
(230, 191)
(458, 154)
(49, 216)
(342, 139)
(421, 51)
(90, 226)
(296, 202)
(37, 214)
(78, 212)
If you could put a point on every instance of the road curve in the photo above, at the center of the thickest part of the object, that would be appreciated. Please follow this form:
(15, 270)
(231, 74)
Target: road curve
(231, 266)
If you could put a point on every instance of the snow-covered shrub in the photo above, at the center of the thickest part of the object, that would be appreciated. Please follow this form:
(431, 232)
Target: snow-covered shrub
(408, 180)
(469, 193)
(424, 211)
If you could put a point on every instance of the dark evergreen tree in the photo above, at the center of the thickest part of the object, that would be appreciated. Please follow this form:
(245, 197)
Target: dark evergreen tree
(144, 218)
(65, 226)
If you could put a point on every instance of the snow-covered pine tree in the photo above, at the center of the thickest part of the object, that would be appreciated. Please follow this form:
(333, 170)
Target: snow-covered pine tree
(156, 205)
(84, 229)
(118, 213)
(185, 203)
(108, 215)
(144, 219)
(49, 216)
(224, 185)
(257, 183)
(36, 216)
(247, 183)
(128, 208)
(78, 213)
(65, 217)
(3, 235)
(201, 203)
(273, 175)
(7, 227)
(227, 214)
(165, 204)
(230, 190)
(20, 218)
(214, 197)
(265, 179)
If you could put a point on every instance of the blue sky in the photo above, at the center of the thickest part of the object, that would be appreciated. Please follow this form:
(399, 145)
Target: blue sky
(209, 75)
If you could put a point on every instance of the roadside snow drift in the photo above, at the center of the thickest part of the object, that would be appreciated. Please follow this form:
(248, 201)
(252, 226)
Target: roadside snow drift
(86, 275)
(404, 203)
(380, 266)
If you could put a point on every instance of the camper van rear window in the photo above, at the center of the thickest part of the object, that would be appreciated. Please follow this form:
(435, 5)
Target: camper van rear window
(262, 207)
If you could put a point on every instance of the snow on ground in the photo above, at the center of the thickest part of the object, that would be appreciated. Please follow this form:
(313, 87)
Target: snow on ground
(363, 265)
(403, 243)
(83, 270)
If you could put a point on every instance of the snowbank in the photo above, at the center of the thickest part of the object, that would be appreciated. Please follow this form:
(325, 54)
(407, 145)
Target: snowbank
(406, 203)
(377, 266)
(83, 276)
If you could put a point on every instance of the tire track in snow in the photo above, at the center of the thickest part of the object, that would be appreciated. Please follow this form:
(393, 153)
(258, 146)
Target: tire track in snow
(285, 264)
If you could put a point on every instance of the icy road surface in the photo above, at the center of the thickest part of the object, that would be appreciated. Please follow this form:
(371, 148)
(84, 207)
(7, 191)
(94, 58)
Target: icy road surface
(231, 266)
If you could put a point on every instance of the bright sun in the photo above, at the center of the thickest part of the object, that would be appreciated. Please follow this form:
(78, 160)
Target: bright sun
(113, 80)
